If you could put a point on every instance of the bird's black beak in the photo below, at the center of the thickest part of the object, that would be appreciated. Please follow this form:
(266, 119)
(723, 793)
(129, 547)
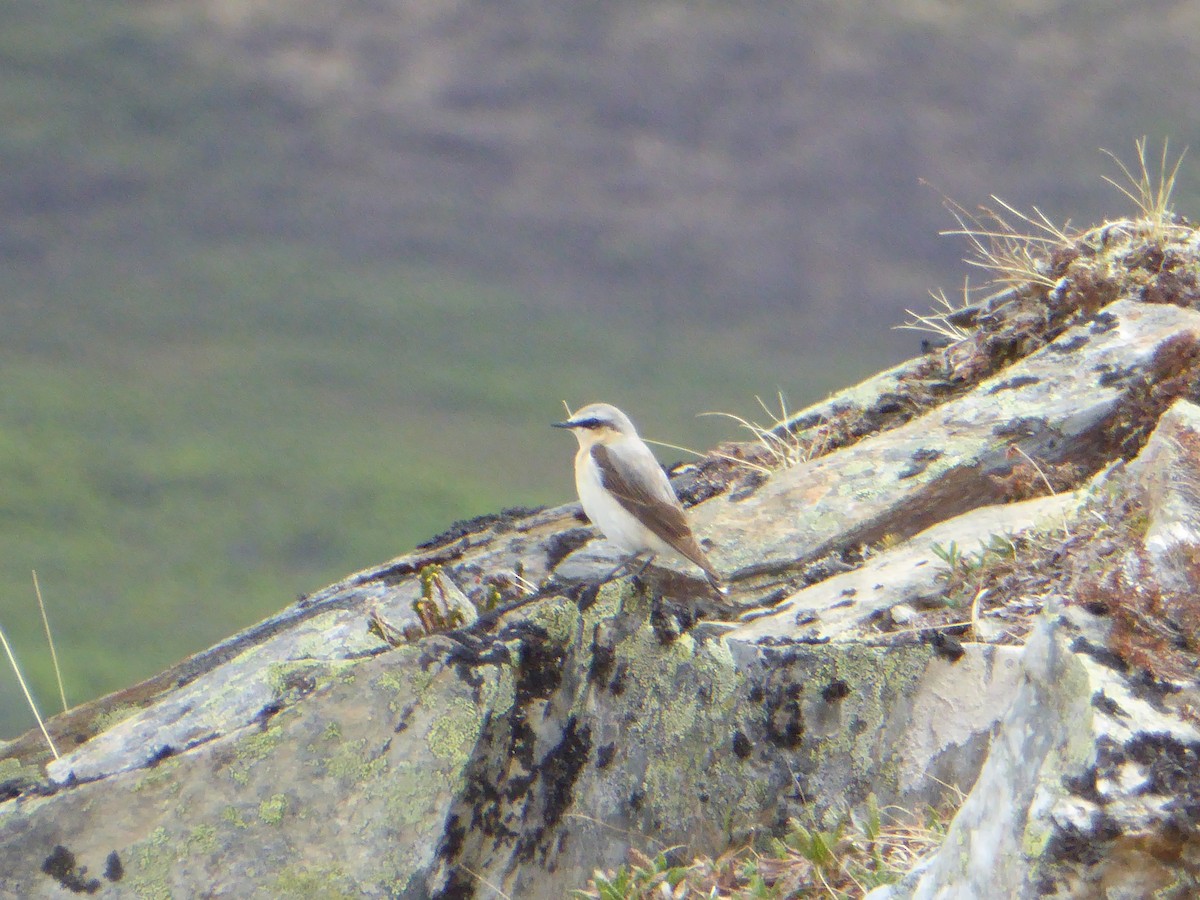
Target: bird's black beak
(566, 424)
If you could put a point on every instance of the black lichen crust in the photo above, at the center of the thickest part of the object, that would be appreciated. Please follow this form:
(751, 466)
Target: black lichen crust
(1171, 769)
(784, 722)
(61, 866)
(515, 794)
(498, 522)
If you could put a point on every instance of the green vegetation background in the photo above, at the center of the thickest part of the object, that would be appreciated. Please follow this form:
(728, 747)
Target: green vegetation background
(195, 429)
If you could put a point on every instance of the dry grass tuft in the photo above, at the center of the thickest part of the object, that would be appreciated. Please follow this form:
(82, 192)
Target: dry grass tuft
(783, 448)
(1015, 252)
(940, 320)
(1028, 253)
(1151, 193)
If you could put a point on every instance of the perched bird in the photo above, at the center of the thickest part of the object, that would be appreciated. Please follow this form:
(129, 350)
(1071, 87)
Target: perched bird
(625, 492)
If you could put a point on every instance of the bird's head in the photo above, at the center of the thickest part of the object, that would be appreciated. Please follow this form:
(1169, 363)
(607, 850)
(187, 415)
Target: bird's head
(598, 423)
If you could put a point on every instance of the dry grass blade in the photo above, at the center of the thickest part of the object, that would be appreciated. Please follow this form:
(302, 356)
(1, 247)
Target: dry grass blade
(696, 453)
(1046, 481)
(527, 587)
(50, 640)
(1052, 235)
(975, 602)
(12, 659)
(783, 411)
(487, 884)
(938, 321)
(1012, 257)
(783, 447)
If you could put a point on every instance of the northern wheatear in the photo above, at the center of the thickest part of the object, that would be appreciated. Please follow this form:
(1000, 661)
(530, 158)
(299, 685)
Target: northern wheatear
(625, 492)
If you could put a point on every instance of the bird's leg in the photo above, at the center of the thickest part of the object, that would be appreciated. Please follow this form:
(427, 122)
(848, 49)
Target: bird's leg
(642, 568)
(620, 567)
(627, 563)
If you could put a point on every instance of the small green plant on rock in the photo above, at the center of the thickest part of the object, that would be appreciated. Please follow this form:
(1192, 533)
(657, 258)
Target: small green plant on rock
(967, 573)
(643, 879)
(433, 608)
(860, 852)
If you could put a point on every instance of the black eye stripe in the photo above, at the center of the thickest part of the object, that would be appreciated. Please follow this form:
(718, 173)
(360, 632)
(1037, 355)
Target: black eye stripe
(589, 423)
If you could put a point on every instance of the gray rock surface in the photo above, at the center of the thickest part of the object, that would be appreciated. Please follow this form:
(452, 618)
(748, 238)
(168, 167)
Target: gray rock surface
(910, 575)
(1089, 790)
(1170, 469)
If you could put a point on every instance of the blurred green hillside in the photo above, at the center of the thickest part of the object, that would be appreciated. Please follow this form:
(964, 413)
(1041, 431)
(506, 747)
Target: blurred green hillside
(287, 288)
(197, 426)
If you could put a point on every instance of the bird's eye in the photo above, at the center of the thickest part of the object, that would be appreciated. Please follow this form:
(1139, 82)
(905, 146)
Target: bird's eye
(590, 423)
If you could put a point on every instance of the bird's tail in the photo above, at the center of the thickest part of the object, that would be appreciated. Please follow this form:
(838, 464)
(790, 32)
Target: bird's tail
(714, 581)
(711, 575)
(690, 549)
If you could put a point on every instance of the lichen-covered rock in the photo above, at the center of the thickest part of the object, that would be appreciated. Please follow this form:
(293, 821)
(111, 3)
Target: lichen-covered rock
(1069, 402)
(490, 715)
(844, 605)
(524, 759)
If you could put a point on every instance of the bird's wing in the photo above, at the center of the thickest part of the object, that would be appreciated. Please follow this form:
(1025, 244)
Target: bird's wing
(639, 484)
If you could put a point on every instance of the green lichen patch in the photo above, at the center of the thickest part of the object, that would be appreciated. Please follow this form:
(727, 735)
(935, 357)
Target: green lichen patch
(409, 792)
(164, 777)
(560, 617)
(877, 679)
(455, 731)
(108, 719)
(290, 680)
(395, 680)
(610, 598)
(829, 710)
(497, 692)
(680, 698)
(151, 862)
(251, 750)
(353, 763)
(14, 772)
(202, 839)
(678, 684)
(324, 639)
(272, 809)
(314, 883)
(147, 868)
(259, 745)
(404, 678)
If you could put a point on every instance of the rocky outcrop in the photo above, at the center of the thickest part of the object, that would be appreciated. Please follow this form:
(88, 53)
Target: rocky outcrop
(1092, 786)
(948, 579)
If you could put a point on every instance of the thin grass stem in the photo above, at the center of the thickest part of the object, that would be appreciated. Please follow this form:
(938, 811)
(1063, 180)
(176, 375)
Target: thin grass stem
(50, 640)
(12, 659)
